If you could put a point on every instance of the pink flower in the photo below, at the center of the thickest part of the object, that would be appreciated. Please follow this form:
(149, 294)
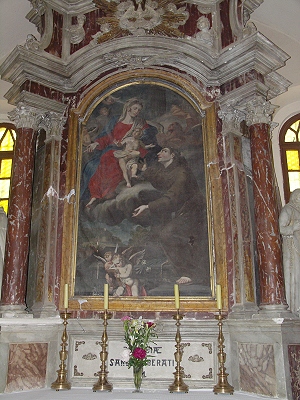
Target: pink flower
(139, 353)
(149, 324)
(126, 318)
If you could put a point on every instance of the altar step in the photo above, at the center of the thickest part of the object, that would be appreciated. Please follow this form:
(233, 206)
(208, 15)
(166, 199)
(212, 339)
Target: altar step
(119, 394)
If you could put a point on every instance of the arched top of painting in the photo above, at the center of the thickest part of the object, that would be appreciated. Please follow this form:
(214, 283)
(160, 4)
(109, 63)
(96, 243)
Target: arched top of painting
(164, 87)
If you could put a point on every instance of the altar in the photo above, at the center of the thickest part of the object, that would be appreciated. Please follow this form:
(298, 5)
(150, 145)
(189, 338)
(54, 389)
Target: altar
(143, 160)
(121, 394)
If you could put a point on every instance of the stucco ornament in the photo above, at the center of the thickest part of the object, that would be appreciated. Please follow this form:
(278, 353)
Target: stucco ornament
(205, 35)
(138, 20)
(76, 31)
(139, 17)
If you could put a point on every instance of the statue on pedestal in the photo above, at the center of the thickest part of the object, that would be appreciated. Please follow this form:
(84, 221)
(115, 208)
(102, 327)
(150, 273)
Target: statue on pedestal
(289, 223)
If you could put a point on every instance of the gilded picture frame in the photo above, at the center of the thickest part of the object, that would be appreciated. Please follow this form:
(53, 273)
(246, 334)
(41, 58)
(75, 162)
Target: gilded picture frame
(160, 245)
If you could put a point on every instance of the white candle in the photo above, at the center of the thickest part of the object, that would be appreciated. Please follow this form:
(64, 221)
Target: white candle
(219, 297)
(105, 300)
(176, 294)
(66, 296)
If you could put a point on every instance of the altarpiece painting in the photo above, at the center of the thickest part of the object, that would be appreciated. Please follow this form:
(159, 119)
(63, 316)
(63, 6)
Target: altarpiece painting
(142, 216)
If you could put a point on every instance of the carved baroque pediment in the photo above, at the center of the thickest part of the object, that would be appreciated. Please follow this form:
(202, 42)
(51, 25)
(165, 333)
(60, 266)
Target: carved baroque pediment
(140, 17)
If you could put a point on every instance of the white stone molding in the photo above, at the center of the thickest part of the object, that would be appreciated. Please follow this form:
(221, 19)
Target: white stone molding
(35, 101)
(34, 15)
(40, 8)
(249, 6)
(254, 52)
(236, 25)
(242, 28)
(259, 111)
(124, 58)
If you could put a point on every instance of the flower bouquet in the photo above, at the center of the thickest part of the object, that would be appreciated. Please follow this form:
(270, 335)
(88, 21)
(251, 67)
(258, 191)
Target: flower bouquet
(138, 335)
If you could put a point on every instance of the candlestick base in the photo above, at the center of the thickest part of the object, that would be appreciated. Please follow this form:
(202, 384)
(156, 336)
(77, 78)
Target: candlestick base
(222, 386)
(178, 385)
(61, 382)
(102, 384)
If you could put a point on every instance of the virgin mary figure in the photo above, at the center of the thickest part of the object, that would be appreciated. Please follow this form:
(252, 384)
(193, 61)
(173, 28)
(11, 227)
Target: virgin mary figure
(102, 174)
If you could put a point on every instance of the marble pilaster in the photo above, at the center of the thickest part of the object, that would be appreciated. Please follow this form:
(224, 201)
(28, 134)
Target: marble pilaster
(241, 282)
(19, 214)
(42, 264)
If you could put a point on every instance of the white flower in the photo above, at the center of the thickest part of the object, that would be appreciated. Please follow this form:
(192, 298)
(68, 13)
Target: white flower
(125, 355)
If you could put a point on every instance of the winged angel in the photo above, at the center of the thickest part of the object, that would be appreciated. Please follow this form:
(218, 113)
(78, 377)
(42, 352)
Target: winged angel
(140, 17)
(121, 272)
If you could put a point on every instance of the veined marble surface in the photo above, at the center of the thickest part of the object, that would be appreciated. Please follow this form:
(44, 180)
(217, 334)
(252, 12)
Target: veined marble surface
(118, 394)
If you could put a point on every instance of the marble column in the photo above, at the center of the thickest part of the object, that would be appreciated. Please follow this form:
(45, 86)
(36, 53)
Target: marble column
(19, 214)
(266, 207)
(238, 224)
(42, 268)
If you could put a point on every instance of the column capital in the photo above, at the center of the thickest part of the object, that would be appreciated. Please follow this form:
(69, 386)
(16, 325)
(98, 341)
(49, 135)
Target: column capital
(231, 119)
(23, 116)
(259, 111)
(52, 123)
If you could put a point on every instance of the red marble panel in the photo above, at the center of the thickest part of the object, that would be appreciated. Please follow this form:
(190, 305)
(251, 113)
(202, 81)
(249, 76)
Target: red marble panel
(226, 34)
(241, 80)
(26, 366)
(55, 46)
(294, 361)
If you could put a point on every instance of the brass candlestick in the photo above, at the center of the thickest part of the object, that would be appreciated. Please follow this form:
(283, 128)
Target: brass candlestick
(178, 385)
(103, 383)
(61, 382)
(222, 386)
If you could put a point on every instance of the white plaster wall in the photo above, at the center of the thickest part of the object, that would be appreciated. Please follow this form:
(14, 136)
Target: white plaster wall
(289, 105)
